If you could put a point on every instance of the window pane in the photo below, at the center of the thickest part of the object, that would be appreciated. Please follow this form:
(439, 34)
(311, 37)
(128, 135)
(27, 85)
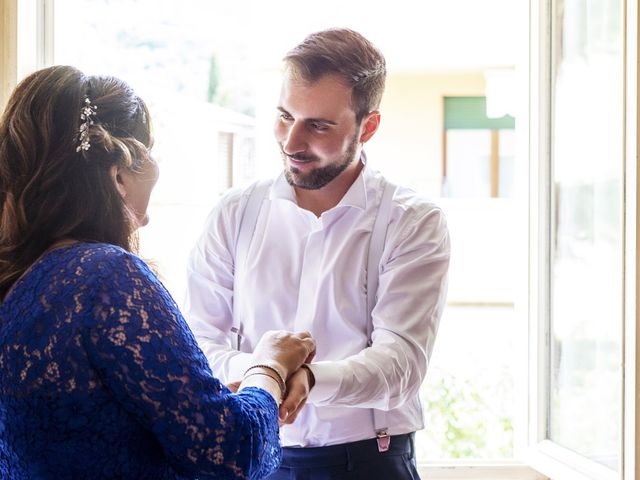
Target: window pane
(507, 155)
(586, 271)
(468, 163)
(469, 398)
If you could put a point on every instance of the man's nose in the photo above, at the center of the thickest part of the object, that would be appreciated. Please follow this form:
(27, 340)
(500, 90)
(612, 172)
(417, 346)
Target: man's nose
(295, 140)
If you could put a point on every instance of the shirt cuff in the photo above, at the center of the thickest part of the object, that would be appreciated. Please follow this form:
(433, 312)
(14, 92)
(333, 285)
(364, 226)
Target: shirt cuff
(328, 376)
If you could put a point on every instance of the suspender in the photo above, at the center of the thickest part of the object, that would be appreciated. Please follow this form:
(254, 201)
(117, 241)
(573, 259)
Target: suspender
(376, 245)
(248, 224)
(378, 236)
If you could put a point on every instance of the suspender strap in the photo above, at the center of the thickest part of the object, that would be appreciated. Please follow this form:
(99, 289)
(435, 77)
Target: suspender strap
(376, 246)
(248, 224)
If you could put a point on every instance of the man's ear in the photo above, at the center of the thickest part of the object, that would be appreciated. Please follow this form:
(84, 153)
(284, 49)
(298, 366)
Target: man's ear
(117, 177)
(370, 126)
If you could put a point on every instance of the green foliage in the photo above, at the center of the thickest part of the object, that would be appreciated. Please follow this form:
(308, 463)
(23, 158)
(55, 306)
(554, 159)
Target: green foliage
(214, 79)
(463, 423)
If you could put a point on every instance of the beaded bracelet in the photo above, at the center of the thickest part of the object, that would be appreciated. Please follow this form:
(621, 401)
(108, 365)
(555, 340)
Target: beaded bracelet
(280, 379)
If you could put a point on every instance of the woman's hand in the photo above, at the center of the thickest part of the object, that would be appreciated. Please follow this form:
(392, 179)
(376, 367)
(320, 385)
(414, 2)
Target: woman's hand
(285, 351)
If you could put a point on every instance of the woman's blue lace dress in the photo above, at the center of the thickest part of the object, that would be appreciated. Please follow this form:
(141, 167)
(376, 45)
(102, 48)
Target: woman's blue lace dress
(100, 378)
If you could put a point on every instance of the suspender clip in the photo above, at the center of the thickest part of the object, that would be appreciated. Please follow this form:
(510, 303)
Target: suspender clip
(384, 440)
(238, 334)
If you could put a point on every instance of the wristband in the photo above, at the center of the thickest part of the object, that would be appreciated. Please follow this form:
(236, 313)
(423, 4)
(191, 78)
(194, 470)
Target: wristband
(272, 378)
(280, 379)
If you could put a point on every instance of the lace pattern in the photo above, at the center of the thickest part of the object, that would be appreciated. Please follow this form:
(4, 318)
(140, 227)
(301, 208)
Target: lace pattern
(100, 377)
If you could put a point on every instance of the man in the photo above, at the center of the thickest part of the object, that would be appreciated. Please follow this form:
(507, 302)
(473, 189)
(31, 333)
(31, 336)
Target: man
(306, 269)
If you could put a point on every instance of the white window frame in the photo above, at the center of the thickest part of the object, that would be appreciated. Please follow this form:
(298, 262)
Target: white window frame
(544, 455)
(8, 49)
(26, 40)
(631, 403)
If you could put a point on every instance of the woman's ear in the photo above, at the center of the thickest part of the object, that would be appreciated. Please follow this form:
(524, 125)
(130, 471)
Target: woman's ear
(118, 181)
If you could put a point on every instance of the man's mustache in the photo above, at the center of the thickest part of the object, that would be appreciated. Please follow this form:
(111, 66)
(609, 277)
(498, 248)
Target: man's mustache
(300, 157)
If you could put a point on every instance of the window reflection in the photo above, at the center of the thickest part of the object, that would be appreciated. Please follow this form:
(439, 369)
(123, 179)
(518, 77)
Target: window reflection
(586, 271)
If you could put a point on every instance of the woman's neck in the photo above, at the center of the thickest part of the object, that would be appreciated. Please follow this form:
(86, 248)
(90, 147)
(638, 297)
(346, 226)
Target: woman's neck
(58, 244)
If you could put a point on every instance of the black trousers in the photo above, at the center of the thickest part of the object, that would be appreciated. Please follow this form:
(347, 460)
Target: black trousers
(351, 461)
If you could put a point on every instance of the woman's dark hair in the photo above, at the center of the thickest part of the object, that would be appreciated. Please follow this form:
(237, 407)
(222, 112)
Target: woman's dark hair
(49, 191)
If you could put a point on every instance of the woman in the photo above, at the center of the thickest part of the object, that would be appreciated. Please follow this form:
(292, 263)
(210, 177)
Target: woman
(99, 375)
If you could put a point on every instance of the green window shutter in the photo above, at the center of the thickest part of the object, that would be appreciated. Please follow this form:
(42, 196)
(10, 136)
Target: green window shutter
(471, 113)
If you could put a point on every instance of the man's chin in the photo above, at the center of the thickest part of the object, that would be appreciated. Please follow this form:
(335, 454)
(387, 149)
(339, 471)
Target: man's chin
(315, 177)
(299, 181)
(293, 178)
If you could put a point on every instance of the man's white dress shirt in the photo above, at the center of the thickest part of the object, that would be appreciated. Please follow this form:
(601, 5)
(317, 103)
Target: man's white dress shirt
(309, 273)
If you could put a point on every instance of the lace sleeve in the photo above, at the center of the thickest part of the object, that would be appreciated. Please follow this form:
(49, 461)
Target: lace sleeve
(146, 355)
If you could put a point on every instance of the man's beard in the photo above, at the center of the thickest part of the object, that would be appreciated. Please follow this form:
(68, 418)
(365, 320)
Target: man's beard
(318, 177)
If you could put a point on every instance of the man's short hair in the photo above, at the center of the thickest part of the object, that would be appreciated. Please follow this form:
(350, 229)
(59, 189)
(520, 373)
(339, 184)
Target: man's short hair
(349, 55)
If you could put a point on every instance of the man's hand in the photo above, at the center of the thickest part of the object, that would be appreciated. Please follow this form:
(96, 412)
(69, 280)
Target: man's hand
(299, 385)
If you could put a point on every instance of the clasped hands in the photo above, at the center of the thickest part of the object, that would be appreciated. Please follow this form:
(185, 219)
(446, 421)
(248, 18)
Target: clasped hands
(287, 352)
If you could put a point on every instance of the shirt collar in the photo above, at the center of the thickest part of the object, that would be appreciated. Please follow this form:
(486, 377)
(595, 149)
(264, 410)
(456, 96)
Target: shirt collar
(356, 196)
(282, 190)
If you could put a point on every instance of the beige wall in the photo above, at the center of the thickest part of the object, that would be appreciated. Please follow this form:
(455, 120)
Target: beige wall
(412, 120)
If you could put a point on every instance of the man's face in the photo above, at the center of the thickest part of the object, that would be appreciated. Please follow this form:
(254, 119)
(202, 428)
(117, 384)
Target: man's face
(316, 130)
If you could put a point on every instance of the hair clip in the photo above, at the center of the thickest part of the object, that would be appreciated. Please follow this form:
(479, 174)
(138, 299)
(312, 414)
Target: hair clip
(86, 113)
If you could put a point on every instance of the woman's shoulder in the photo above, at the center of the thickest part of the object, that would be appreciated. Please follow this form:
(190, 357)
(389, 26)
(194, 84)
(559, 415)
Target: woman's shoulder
(80, 272)
(113, 272)
(101, 255)
(102, 261)
(97, 250)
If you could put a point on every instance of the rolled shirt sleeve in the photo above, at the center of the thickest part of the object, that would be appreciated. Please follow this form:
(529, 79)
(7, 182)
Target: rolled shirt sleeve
(410, 299)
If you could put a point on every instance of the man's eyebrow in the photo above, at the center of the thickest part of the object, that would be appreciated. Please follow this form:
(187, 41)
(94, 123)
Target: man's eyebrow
(320, 120)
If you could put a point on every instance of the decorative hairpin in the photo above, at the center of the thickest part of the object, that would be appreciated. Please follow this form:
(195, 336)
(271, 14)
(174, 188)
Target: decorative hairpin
(86, 113)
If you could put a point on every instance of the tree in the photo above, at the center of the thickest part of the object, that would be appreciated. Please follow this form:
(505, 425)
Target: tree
(214, 79)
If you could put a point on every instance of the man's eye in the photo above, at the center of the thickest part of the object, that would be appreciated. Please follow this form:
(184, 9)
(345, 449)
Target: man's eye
(285, 116)
(320, 127)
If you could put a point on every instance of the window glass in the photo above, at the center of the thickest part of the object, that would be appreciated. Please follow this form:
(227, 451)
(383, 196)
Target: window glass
(468, 163)
(478, 158)
(587, 244)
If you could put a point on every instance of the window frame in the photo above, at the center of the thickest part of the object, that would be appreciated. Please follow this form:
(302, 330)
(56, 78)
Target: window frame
(631, 404)
(543, 454)
(494, 161)
(492, 130)
(27, 44)
(8, 49)
(26, 41)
